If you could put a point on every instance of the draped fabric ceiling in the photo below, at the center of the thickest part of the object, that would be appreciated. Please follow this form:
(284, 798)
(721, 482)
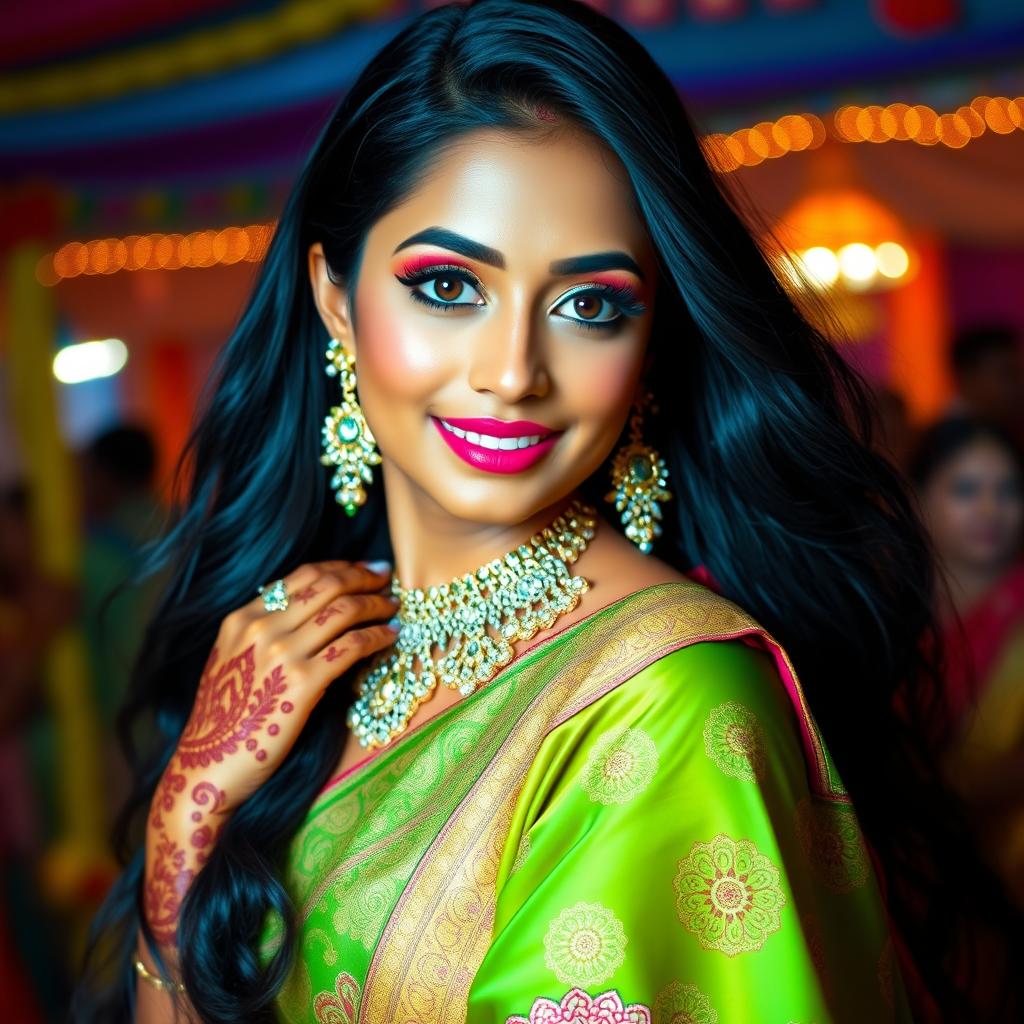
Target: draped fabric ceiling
(112, 100)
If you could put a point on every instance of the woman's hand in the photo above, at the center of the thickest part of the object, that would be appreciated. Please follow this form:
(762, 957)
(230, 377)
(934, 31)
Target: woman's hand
(262, 679)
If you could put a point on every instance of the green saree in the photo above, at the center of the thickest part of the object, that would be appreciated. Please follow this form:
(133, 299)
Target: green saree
(635, 821)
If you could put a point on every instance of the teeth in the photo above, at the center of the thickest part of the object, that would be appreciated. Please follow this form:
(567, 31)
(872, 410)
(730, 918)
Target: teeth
(506, 444)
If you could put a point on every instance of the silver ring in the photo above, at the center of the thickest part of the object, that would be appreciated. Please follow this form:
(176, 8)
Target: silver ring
(275, 596)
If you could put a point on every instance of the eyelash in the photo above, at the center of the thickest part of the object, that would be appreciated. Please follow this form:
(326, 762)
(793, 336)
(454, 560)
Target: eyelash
(624, 299)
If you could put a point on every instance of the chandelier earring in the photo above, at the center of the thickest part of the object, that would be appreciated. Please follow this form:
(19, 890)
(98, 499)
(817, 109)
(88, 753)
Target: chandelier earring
(348, 443)
(639, 475)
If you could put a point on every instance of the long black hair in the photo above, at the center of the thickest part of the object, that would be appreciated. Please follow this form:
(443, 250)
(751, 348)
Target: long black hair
(763, 428)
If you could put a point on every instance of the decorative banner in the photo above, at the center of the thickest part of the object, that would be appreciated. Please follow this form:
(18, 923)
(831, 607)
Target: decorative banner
(716, 10)
(917, 16)
(242, 41)
(788, 6)
(647, 13)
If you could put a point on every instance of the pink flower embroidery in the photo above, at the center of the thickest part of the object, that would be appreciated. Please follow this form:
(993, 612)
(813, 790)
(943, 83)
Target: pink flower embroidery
(577, 1007)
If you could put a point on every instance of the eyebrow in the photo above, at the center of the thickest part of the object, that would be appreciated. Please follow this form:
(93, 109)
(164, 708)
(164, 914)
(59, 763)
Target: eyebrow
(588, 264)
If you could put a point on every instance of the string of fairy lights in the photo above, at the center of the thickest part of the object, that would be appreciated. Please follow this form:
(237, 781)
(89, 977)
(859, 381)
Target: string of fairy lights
(727, 152)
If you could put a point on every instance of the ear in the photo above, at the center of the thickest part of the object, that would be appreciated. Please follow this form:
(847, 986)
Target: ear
(331, 298)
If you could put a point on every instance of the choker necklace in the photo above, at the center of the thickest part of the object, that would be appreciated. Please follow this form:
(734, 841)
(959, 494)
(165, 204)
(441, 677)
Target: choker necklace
(455, 617)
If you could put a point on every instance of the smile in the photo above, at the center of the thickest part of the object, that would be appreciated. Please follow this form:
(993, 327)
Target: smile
(496, 446)
(506, 444)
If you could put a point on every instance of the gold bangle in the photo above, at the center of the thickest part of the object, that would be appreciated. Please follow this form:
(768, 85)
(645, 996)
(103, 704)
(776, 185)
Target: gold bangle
(155, 980)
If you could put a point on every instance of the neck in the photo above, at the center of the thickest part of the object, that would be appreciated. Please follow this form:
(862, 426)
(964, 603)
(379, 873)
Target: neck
(431, 546)
(970, 582)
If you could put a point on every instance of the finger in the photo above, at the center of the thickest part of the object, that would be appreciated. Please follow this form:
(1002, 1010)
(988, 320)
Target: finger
(309, 581)
(294, 582)
(340, 615)
(344, 651)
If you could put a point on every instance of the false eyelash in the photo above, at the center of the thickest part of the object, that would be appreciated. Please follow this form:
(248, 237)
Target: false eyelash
(428, 274)
(624, 299)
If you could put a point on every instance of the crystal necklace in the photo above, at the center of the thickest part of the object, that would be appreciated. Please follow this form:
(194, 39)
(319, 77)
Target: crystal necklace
(455, 617)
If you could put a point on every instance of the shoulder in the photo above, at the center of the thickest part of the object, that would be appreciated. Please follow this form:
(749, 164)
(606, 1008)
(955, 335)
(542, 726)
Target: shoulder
(689, 664)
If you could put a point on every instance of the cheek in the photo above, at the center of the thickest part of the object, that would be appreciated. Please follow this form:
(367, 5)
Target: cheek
(601, 386)
(397, 359)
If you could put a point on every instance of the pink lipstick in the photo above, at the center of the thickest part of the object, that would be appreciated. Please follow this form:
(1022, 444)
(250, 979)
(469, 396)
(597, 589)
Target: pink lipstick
(476, 441)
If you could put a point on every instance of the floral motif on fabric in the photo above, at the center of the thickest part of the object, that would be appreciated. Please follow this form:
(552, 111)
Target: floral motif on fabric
(683, 1004)
(832, 843)
(521, 853)
(577, 1007)
(620, 766)
(585, 944)
(734, 741)
(729, 895)
(340, 1006)
(362, 906)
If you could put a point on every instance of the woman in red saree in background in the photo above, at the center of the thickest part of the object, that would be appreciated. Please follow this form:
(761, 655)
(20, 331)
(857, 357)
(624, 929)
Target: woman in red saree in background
(971, 481)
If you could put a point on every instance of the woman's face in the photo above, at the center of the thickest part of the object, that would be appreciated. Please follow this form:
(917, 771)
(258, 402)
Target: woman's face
(974, 506)
(509, 297)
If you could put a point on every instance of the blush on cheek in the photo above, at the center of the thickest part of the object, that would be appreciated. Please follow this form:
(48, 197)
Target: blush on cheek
(396, 355)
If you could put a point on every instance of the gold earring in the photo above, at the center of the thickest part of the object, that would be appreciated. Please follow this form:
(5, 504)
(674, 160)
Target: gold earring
(348, 443)
(639, 475)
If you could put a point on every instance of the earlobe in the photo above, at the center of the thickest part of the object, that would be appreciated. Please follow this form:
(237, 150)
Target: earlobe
(331, 298)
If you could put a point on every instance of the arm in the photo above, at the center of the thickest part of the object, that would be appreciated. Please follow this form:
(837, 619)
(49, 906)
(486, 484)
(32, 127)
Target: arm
(672, 859)
(262, 678)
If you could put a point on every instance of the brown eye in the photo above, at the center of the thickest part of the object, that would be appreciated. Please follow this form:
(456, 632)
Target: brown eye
(448, 288)
(587, 306)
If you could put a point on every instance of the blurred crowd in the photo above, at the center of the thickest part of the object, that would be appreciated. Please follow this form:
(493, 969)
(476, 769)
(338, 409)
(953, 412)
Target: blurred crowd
(40, 922)
(966, 469)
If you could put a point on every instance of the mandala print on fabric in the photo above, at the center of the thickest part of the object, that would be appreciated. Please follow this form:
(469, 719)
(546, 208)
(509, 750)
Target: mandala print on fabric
(734, 741)
(585, 944)
(832, 843)
(340, 1006)
(620, 766)
(683, 1004)
(577, 1007)
(728, 895)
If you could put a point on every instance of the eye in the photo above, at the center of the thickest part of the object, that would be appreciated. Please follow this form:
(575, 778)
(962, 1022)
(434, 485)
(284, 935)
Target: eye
(442, 287)
(599, 307)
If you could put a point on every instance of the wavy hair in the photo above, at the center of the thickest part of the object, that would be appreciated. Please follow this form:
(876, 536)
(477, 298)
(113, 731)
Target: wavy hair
(763, 426)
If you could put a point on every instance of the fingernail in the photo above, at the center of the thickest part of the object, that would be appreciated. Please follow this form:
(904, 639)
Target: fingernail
(378, 566)
(394, 623)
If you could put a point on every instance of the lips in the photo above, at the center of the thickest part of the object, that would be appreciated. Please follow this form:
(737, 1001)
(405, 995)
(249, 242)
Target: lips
(497, 446)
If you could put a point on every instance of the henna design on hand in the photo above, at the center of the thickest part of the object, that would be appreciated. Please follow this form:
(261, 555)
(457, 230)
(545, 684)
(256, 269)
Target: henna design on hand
(165, 889)
(325, 613)
(306, 594)
(332, 653)
(229, 709)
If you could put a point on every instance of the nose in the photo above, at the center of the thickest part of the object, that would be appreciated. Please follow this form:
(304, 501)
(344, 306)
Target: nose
(509, 359)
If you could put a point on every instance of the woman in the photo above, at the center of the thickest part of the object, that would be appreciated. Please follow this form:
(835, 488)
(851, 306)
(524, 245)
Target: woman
(582, 786)
(970, 476)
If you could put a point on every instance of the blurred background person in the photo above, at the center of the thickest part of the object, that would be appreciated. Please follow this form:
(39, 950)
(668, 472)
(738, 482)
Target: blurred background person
(988, 372)
(121, 513)
(894, 434)
(970, 477)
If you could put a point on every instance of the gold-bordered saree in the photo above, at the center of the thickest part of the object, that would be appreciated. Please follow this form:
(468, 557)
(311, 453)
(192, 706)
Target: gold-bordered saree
(634, 821)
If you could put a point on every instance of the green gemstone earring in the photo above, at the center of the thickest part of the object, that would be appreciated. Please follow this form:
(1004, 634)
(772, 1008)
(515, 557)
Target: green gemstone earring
(639, 475)
(348, 443)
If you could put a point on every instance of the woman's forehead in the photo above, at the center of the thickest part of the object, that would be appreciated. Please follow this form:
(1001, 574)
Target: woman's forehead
(528, 197)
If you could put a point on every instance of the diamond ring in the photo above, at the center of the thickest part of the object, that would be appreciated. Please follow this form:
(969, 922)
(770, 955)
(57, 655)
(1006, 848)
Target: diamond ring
(275, 596)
